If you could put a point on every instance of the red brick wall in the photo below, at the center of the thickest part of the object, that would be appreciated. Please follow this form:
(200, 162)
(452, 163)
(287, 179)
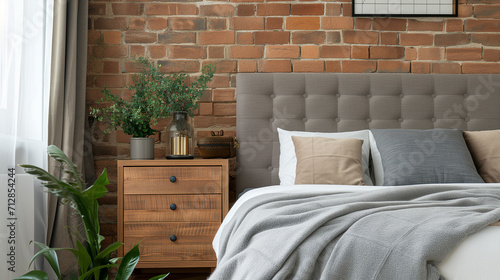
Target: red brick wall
(268, 36)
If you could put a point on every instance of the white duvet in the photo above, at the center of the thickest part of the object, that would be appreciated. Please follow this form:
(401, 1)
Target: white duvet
(476, 257)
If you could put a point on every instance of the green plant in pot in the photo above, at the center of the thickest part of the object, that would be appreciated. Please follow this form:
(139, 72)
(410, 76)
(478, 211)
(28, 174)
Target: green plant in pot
(94, 262)
(137, 115)
(181, 98)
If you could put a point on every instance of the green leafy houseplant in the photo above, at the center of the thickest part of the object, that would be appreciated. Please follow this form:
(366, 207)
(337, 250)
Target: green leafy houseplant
(181, 97)
(136, 115)
(157, 95)
(93, 262)
(181, 94)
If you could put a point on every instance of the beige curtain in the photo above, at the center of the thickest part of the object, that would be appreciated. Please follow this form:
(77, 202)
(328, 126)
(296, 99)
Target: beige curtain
(67, 115)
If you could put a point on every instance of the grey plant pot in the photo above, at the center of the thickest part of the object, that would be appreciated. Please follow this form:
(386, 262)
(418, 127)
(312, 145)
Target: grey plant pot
(142, 148)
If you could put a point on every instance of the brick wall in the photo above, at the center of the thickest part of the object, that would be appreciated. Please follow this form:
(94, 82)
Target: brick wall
(268, 36)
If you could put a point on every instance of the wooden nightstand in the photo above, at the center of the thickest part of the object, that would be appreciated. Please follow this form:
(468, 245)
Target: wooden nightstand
(175, 207)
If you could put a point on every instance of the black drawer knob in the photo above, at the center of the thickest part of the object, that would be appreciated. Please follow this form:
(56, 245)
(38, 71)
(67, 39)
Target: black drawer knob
(173, 206)
(173, 238)
(173, 179)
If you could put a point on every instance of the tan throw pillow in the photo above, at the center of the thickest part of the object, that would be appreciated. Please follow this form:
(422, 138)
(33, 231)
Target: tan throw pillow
(328, 161)
(484, 147)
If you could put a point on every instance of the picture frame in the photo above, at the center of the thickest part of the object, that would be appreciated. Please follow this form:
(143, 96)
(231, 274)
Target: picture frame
(405, 8)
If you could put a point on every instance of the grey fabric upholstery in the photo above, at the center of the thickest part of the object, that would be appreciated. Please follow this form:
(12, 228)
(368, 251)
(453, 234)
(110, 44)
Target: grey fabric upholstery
(415, 156)
(335, 102)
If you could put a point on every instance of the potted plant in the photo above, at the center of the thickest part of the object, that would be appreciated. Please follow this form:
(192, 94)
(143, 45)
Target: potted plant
(94, 262)
(157, 95)
(137, 115)
(181, 98)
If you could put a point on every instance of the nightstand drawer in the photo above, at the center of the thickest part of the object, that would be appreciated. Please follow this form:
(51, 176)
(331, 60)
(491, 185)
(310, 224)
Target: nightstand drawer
(172, 180)
(172, 208)
(159, 199)
(193, 241)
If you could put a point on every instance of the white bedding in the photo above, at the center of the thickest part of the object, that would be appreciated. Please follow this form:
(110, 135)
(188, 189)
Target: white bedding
(477, 257)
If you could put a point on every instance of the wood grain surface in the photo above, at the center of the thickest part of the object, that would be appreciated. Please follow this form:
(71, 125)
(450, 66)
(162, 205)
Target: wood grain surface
(145, 194)
(156, 208)
(156, 180)
(194, 240)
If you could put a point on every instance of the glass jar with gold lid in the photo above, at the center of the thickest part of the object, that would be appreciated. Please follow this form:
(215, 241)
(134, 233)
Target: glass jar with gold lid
(179, 142)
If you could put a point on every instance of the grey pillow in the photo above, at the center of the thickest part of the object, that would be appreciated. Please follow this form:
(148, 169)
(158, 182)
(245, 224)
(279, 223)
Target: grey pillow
(411, 156)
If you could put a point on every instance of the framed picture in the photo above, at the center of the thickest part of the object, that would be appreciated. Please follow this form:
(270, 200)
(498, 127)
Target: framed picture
(405, 8)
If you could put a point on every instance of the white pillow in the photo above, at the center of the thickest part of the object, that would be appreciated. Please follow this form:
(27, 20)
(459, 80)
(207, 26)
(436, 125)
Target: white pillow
(288, 160)
(378, 168)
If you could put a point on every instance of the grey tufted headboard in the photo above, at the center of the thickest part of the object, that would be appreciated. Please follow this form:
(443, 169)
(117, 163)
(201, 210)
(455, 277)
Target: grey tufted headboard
(330, 102)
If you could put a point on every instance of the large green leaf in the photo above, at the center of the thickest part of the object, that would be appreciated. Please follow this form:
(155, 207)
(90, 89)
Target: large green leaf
(54, 185)
(128, 263)
(94, 270)
(66, 191)
(83, 257)
(34, 275)
(103, 258)
(71, 168)
(98, 189)
(50, 255)
(104, 254)
(91, 224)
(57, 187)
(159, 277)
(70, 191)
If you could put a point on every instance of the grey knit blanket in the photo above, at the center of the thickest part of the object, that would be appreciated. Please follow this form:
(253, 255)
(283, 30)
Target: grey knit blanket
(394, 233)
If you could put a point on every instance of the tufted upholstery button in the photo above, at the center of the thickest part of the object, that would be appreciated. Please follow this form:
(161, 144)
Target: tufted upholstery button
(401, 95)
(273, 96)
(369, 95)
(467, 119)
(304, 119)
(433, 95)
(337, 95)
(400, 119)
(270, 168)
(305, 95)
(337, 120)
(433, 119)
(271, 120)
(368, 120)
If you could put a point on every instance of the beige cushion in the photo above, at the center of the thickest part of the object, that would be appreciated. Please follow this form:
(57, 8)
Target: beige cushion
(328, 161)
(484, 147)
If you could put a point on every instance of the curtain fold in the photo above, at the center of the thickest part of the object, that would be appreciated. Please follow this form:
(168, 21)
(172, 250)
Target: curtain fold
(67, 115)
(25, 49)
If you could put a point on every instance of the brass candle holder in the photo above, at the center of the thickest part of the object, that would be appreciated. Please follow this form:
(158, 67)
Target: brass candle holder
(179, 145)
(179, 138)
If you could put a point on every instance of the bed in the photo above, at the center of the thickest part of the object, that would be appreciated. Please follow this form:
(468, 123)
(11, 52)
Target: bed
(383, 106)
